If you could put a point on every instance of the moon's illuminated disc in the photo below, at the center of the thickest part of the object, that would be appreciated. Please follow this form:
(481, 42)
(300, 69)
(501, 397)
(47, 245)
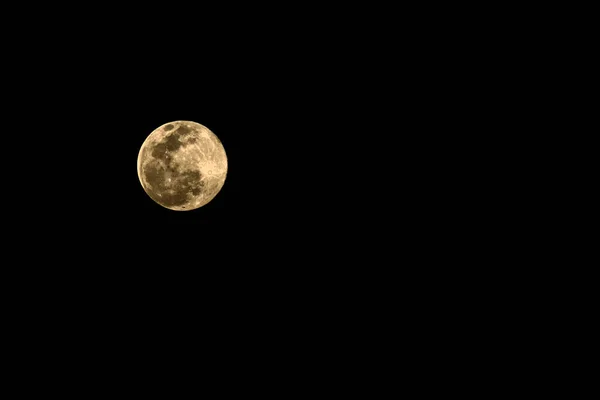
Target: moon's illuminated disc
(182, 165)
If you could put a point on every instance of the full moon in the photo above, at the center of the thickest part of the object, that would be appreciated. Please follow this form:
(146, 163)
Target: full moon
(182, 165)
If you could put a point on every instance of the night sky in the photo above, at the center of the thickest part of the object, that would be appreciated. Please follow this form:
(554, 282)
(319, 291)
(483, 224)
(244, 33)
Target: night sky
(367, 210)
(298, 121)
(298, 226)
(353, 202)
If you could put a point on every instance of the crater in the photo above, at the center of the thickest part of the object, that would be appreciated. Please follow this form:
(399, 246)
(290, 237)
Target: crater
(158, 151)
(184, 130)
(193, 176)
(153, 173)
(172, 142)
(168, 127)
(171, 194)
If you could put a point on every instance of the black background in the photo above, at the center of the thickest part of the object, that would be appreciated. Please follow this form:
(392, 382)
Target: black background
(336, 134)
(297, 106)
(374, 209)
(346, 183)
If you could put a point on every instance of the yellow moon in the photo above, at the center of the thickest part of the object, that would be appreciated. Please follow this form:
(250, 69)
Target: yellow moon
(182, 165)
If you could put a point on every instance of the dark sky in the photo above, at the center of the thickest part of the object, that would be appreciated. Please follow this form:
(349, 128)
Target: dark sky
(314, 184)
(349, 202)
(301, 118)
(276, 127)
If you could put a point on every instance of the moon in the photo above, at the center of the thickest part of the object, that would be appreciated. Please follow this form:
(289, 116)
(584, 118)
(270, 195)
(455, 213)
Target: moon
(182, 165)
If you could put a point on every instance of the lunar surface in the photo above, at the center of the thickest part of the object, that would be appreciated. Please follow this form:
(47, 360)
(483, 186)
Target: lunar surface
(182, 165)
